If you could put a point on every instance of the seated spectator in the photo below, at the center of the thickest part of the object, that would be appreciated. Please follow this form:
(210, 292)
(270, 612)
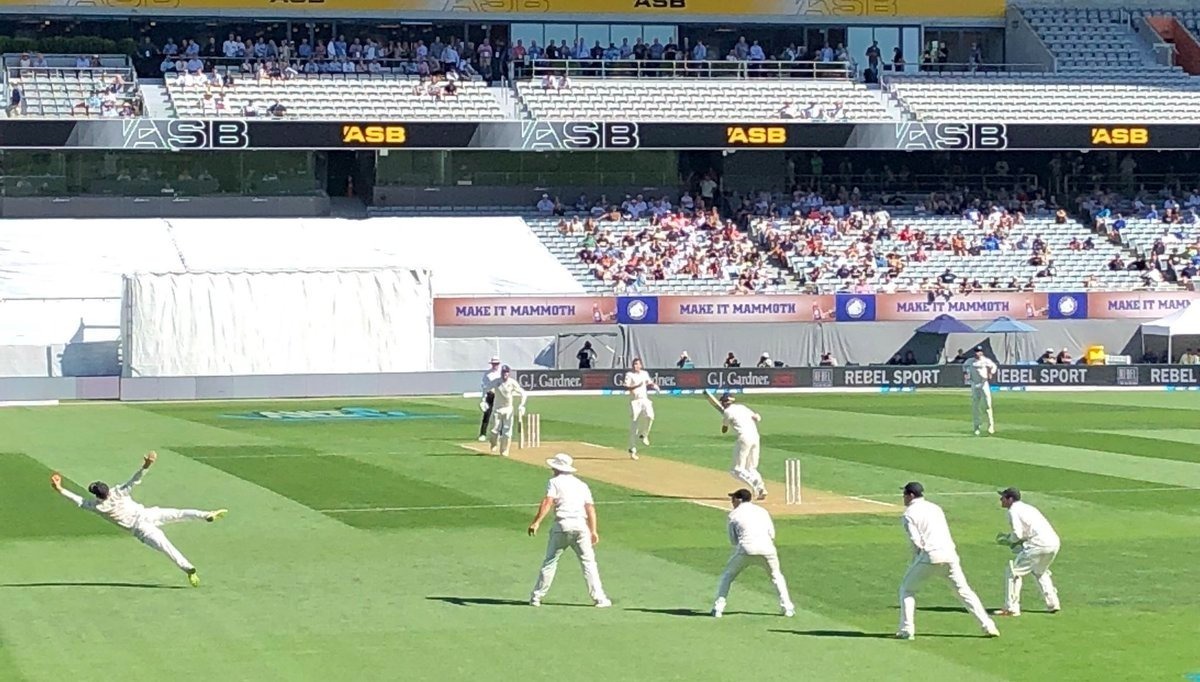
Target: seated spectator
(545, 205)
(1048, 358)
(1064, 358)
(910, 358)
(732, 361)
(764, 360)
(827, 360)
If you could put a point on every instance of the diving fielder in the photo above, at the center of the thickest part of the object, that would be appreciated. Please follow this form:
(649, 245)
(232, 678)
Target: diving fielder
(1036, 544)
(746, 447)
(638, 383)
(752, 534)
(487, 397)
(507, 410)
(979, 372)
(574, 527)
(934, 553)
(118, 506)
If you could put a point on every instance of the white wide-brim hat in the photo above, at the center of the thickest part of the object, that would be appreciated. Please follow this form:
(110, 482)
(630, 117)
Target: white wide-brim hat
(562, 462)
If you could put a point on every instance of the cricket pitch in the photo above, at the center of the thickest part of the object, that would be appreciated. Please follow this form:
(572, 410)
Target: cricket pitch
(670, 479)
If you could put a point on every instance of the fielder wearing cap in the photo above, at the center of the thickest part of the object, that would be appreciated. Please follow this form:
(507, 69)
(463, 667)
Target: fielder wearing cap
(979, 372)
(934, 553)
(508, 410)
(491, 378)
(1036, 545)
(574, 527)
(752, 534)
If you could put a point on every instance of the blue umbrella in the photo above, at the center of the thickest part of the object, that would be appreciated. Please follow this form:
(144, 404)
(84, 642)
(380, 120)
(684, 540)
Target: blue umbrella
(1007, 326)
(945, 324)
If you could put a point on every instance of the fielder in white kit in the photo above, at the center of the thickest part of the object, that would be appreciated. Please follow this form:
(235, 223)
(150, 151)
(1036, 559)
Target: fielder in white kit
(118, 506)
(979, 372)
(934, 553)
(574, 527)
(752, 534)
(638, 383)
(507, 411)
(1033, 539)
(744, 423)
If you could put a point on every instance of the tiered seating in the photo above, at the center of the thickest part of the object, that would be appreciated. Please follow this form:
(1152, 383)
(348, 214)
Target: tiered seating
(1036, 98)
(697, 100)
(567, 247)
(336, 96)
(76, 93)
(1072, 267)
(1091, 39)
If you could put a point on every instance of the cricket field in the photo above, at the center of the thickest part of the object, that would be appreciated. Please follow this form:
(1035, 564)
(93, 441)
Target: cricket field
(366, 541)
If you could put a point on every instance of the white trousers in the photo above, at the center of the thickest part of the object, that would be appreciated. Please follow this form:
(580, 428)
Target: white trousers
(581, 543)
(1035, 562)
(503, 420)
(738, 562)
(920, 571)
(641, 420)
(745, 464)
(148, 531)
(981, 406)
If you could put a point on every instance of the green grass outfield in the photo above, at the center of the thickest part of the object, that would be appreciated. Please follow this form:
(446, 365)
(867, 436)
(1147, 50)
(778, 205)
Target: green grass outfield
(428, 581)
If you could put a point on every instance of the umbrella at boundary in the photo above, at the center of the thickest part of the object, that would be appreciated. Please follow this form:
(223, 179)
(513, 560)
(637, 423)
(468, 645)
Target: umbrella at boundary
(1007, 326)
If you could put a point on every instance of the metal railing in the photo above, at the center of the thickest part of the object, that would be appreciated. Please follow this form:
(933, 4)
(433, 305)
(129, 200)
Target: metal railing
(679, 68)
(918, 184)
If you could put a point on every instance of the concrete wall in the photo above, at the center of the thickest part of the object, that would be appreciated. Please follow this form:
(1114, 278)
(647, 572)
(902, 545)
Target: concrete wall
(1022, 44)
(163, 207)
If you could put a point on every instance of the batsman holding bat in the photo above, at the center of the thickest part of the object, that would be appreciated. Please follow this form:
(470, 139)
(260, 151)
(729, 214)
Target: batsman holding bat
(744, 422)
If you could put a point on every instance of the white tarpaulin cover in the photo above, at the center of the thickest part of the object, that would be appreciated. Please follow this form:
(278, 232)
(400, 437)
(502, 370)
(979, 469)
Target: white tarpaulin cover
(1182, 322)
(50, 261)
(295, 322)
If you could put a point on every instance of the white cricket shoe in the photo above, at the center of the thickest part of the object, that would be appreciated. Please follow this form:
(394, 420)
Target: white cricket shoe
(788, 611)
(762, 494)
(603, 603)
(633, 453)
(904, 634)
(482, 439)
(976, 432)
(991, 430)
(716, 613)
(645, 438)
(990, 630)
(534, 601)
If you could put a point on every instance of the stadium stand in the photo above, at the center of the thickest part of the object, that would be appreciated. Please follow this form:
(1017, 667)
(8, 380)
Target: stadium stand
(703, 100)
(331, 96)
(1093, 42)
(73, 86)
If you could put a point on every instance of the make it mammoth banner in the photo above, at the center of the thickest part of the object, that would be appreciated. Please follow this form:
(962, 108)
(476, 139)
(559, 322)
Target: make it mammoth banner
(633, 8)
(532, 310)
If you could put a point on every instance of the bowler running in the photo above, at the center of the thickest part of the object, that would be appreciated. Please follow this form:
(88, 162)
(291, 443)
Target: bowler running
(744, 422)
(639, 383)
(752, 534)
(574, 527)
(507, 410)
(934, 553)
(980, 372)
(1036, 544)
(118, 506)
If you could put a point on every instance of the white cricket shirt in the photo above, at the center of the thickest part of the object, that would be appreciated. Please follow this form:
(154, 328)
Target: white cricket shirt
(743, 421)
(751, 529)
(507, 392)
(639, 382)
(978, 370)
(570, 496)
(120, 508)
(1031, 527)
(925, 524)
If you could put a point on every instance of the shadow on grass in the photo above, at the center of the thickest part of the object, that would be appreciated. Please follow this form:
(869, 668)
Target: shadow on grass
(936, 609)
(143, 586)
(858, 634)
(492, 601)
(694, 613)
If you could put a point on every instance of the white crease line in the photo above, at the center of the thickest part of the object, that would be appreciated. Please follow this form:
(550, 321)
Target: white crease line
(863, 499)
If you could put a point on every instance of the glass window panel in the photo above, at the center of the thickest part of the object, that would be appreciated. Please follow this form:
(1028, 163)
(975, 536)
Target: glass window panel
(625, 32)
(664, 32)
(912, 46)
(529, 34)
(592, 33)
(858, 39)
(560, 33)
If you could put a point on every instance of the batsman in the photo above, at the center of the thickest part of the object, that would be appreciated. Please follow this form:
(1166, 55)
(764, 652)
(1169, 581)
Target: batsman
(509, 408)
(744, 423)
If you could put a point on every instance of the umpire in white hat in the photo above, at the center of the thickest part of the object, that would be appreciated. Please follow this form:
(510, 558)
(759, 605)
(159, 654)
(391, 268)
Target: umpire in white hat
(574, 527)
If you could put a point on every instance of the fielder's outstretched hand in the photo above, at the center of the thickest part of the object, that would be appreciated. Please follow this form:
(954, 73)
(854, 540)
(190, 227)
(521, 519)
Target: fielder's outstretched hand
(150, 458)
(56, 481)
